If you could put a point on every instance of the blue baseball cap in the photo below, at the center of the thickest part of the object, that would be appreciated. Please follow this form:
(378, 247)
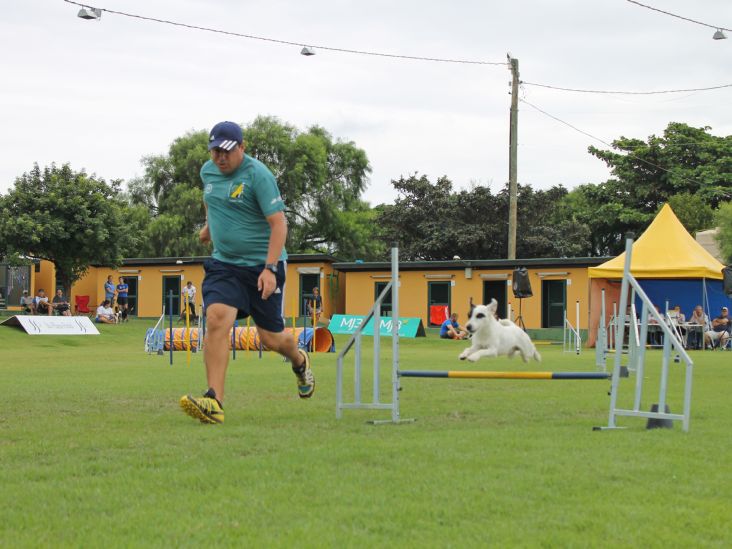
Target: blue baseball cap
(225, 135)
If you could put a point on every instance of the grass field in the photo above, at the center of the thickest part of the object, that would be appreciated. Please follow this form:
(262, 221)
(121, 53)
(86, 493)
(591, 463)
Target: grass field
(95, 452)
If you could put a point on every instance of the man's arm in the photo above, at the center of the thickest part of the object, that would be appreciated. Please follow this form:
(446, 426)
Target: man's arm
(267, 281)
(278, 226)
(204, 234)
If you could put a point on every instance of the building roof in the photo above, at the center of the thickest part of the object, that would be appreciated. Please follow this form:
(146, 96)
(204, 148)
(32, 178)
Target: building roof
(471, 263)
(664, 250)
(292, 258)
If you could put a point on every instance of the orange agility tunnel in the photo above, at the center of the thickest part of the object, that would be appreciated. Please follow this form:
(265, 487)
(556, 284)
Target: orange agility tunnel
(247, 339)
(182, 339)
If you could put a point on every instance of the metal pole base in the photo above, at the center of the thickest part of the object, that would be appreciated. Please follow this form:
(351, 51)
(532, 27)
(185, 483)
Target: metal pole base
(657, 423)
(389, 421)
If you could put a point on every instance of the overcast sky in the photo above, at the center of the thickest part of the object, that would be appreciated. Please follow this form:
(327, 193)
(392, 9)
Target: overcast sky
(103, 94)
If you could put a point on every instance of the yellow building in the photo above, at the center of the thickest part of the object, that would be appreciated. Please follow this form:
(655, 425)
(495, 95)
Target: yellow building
(151, 281)
(557, 284)
(351, 288)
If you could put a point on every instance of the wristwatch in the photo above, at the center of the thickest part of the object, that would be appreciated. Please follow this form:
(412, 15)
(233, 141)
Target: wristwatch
(271, 267)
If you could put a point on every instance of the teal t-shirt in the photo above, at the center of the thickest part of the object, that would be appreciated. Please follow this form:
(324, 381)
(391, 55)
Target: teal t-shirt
(238, 205)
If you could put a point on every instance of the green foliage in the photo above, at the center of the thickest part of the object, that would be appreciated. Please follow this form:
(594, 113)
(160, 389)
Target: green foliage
(683, 161)
(320, 179)
(723, 219)
(431, 222)
(67, 217)
(695, 214)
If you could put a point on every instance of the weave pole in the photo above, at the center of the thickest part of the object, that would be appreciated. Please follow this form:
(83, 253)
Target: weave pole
(455, 374)
(170, 307)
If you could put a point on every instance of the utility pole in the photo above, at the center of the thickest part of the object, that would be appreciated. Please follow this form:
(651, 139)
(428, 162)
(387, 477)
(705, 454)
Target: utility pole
(512, 150)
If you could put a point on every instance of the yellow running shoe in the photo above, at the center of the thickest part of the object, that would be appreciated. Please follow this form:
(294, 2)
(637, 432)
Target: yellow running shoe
(305, 378)
(206, 409)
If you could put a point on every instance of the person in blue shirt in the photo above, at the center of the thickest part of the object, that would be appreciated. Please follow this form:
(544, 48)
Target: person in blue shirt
(450, 329)
(109, 290)
(122, 289)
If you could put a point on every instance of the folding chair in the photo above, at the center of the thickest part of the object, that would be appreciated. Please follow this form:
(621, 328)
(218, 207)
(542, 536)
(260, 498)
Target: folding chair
(81, 305)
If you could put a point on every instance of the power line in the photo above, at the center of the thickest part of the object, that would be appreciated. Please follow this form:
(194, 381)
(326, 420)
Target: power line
(290, 43)
(677, 16)
(618, 92)
(601, 140)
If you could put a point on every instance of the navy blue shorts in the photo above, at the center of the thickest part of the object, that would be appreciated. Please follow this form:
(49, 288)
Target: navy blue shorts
(236, 287)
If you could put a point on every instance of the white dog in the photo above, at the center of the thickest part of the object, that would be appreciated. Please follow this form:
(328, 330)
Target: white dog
(492, 337)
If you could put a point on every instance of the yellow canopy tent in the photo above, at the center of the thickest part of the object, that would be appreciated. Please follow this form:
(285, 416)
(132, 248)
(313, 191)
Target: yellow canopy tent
(665, 250)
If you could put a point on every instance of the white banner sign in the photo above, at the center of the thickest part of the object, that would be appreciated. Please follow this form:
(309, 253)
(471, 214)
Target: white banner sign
(53, 325)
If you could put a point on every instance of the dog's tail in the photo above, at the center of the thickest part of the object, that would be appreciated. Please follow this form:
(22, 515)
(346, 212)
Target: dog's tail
(537, 356)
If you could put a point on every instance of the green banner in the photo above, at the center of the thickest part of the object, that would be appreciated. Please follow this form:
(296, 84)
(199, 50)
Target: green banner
(348, 324)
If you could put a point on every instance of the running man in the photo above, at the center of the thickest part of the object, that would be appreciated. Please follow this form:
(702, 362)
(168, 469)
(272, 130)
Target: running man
(245, 276)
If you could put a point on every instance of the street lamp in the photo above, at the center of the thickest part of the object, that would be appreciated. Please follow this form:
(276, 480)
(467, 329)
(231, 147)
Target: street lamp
(719, 35)
(307, 51)
(90, 13)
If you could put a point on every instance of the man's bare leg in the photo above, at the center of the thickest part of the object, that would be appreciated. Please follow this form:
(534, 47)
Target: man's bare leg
(282, 343)
(219, 321)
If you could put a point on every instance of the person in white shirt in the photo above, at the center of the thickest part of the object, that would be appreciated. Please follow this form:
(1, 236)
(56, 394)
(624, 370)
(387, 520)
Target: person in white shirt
(105, 313)
(26, 303)
(41, 304)
(696, 335)
(189, 294)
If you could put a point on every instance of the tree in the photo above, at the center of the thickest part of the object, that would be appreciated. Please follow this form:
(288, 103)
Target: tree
(692, 211)
(723, 218)
(321, 181)
(683, 161)
(66, 217)
(433, 223)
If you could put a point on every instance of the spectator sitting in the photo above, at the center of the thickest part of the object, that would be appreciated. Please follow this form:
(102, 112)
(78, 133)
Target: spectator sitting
(61, 304)
(41, 306)
(699, 318)
(105, 313)
(677, 320)
(655, 335)
(450, 329)
(719, 333)
(26, 303)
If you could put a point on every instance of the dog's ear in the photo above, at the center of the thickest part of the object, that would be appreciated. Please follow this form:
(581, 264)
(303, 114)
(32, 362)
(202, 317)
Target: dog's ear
(470, 311)
(493, 305)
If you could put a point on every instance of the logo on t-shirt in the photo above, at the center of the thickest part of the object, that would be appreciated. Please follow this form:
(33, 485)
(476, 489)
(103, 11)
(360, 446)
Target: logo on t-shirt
(236, 191)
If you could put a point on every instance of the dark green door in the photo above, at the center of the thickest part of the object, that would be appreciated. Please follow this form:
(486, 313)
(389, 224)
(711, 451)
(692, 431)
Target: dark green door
(495, 289)
(553, 303)
(131, 281)
(307, 283)
(386, 304)
(171, 284)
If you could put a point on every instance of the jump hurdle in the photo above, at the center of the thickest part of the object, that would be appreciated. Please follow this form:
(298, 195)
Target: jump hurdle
(397, 374)
(456, 374)
(636, 357)
(571, 337)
